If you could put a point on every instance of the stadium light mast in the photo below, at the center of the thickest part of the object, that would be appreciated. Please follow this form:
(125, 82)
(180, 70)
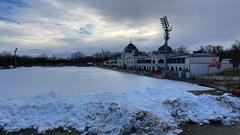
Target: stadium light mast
(15, 58)
(166, 27)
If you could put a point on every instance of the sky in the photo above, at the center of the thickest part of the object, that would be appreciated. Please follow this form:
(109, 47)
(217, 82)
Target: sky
(61, 27)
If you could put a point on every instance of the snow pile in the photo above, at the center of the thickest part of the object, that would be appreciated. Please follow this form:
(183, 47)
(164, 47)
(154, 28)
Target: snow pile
(150, 111)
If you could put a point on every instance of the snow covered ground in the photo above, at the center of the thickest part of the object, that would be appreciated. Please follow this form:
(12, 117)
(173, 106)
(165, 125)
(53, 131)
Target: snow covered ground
(157, 109)
(72, 81)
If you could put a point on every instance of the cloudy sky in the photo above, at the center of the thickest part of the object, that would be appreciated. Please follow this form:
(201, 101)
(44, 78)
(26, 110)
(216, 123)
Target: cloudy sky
(61, 27)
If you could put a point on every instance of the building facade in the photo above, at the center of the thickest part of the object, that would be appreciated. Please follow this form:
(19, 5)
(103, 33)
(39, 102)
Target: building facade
(197, 63)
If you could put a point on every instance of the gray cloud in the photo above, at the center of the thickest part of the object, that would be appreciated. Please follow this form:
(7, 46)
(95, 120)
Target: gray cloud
(90, 25)
(198, 21)
(86, 30)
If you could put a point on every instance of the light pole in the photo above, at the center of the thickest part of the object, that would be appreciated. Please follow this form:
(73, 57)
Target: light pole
(167, 29)
(15, 58)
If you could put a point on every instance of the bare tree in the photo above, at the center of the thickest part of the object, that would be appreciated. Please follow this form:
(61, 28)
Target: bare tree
(182, 50)
(235, 53)
(236, 46)
(6, 54)
(44, 55)
(77, 55)
(103, 54)
(214, 49)
(115, 55)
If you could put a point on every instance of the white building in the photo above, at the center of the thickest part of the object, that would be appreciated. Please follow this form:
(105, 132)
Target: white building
(198, 63)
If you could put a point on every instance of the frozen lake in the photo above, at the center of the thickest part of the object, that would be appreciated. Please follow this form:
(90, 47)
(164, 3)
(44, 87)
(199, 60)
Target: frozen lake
(74, 81)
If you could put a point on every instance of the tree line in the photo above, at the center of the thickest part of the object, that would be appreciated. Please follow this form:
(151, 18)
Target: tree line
(75, 59)
(79, 59)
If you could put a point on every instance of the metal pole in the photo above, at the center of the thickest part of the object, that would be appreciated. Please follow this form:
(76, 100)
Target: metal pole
(15, 58)
(165, 56)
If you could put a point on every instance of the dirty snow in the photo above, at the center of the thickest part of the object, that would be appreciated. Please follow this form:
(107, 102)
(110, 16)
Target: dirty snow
(149, 110)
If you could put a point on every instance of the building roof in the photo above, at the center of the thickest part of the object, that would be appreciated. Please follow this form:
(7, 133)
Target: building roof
(131, 48)
(202, 53)
(161, 49)
(179, 56)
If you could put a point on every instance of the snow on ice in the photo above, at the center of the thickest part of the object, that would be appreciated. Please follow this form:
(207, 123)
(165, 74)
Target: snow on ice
(72, 81)
(150, 110)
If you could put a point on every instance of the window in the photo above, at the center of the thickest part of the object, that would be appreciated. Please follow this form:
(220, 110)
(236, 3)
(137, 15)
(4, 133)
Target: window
(161, 61)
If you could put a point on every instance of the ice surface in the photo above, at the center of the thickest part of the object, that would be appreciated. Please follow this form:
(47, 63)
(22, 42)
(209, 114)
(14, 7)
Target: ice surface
(71, 81)
(117, 103)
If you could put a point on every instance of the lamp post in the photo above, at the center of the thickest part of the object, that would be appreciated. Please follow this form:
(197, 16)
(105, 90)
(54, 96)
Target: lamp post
(167, 29)
(15, 58)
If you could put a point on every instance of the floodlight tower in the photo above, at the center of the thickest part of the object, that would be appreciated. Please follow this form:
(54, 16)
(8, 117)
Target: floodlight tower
(167, 29)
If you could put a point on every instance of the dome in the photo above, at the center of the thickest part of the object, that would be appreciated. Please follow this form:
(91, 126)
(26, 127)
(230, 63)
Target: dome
(162, 49)
(131, 48)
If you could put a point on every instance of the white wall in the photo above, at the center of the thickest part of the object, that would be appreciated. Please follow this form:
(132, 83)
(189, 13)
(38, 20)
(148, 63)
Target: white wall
(199, 69)
(203, 60)
(222, 67)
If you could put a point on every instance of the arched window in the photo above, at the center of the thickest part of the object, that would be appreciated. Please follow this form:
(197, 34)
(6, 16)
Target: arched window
(161, 61)
(180, 69)
(172, 69)
(153, 61)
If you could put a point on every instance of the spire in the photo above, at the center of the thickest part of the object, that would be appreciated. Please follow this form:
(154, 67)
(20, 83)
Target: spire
(130, 40)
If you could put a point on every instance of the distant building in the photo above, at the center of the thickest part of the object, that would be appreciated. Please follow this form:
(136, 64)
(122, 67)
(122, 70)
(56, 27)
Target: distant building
(198, 63)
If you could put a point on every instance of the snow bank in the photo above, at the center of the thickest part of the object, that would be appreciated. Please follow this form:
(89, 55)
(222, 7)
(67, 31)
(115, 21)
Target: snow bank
(150, 111)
